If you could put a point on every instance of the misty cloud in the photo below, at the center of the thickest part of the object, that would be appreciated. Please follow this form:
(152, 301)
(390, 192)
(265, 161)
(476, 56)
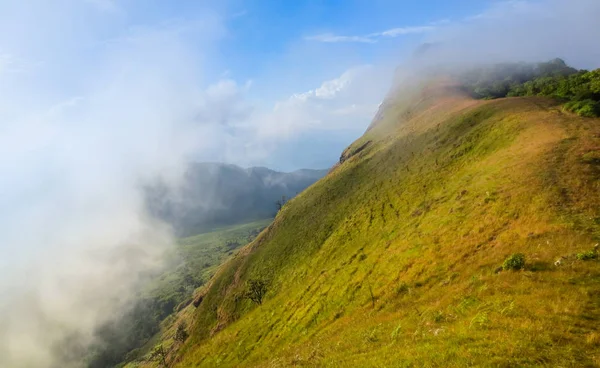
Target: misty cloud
(374, 37)
(75, 236)
(520, 30)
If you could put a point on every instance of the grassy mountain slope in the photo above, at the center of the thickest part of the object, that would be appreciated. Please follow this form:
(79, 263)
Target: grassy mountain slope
(392, 259)
(190, 264)
(196, 259)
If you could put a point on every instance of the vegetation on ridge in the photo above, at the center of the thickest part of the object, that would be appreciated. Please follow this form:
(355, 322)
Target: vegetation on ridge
(580, 89)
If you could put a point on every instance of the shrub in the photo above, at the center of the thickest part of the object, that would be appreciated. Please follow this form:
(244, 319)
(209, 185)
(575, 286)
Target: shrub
(159, 354)
(256, 290)
(588, 108)
(181, 334)
(580, 89)
(586, 256)
(514, 262)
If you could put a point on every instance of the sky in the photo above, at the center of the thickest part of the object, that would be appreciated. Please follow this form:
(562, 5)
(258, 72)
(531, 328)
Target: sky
(98, 98)
(282, 84)
(266, 60)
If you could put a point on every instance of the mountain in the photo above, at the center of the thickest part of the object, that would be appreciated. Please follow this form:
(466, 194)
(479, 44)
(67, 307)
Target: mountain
(215, 194)
(455, 232)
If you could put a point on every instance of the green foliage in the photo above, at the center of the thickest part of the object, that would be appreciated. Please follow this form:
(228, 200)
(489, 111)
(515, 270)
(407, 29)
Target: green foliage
(256, 290)
(588, 108)
(159, 354)
(580, 88)
(181, 334)
(281, 202)
(505, 79)
(586, 256)
(514, 262)
(396, 332)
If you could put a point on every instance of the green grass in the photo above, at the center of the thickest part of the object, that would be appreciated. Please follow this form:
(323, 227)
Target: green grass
(196, 258)
(390, 260)
(191, 264)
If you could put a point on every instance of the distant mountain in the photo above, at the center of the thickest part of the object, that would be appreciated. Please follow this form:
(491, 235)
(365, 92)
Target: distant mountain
(215, 194)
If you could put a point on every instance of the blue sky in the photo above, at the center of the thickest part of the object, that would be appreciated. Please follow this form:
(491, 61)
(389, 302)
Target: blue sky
(276, 49)
(268, 30)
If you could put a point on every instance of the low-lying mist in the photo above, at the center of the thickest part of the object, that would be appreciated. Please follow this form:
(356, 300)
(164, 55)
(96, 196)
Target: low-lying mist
(76, 238)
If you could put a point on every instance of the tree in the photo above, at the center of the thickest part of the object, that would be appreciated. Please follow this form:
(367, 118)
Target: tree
(159, 355)
(256, 290)
(280, 203)
(181, 334)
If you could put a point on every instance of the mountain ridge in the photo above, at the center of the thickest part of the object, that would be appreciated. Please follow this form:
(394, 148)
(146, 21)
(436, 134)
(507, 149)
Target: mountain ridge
(316, 290)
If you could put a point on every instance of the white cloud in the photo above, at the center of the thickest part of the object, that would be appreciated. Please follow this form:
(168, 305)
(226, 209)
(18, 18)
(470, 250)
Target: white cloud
(523, 30)
(374, 37)
(317, 109)
(395, 32)
(331, 38)
(344, 104)
(244, 133)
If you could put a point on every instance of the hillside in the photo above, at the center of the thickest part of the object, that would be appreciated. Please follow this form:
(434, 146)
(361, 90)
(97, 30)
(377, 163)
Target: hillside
(218, 209)
(395, 257)
(215, 194)
(190, 264)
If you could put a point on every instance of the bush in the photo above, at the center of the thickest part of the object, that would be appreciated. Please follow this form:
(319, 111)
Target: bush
(256, 290)
(181, 334)
(514, 262)
(586, 256)
(159, 354)
(580, 89)
(588, 108)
